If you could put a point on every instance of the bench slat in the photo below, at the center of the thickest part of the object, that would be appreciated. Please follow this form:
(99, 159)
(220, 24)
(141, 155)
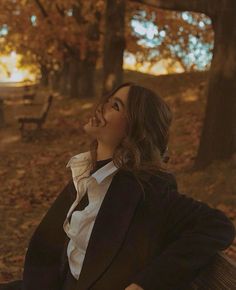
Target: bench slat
(220, 274)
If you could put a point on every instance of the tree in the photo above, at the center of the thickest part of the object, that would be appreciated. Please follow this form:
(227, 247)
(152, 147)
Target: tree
(87, 65)
(178, 38)
(114, 44)
(80, 42)
(218, 137)
(63, 35)
(2, 119)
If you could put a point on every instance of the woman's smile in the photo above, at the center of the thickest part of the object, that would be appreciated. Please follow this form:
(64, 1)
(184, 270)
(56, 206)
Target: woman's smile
(94, 121)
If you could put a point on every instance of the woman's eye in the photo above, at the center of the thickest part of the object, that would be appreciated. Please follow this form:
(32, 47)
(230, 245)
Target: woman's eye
(116, 106)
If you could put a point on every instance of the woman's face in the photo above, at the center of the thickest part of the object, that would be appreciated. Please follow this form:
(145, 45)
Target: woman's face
(115, 115)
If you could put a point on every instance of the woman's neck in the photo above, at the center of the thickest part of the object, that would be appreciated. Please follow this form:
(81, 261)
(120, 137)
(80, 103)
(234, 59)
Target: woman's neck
(104, 152)
(100, 163)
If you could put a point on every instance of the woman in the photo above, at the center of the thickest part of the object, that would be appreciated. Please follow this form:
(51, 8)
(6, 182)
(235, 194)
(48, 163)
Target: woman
(120, 223)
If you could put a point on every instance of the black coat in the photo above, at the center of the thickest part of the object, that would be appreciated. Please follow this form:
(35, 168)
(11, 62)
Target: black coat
(160, 242)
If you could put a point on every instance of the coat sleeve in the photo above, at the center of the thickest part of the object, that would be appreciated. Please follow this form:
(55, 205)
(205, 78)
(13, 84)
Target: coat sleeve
(194, 233)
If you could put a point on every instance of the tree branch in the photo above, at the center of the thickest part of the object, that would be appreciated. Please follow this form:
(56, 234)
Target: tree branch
(60, 11)
(200, 6)
(41, 8)
(45, 15)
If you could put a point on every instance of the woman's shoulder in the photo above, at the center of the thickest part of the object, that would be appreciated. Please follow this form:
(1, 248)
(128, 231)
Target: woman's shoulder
(158, 179)
(164, 178)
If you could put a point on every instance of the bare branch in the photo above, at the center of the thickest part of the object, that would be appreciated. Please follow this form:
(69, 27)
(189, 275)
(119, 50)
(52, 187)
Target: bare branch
(45, 15)
(60, 11)
(201, 6)
(41, 8)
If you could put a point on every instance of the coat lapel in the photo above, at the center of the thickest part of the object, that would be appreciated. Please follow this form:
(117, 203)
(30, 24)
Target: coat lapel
(110, 227)
(43, 257)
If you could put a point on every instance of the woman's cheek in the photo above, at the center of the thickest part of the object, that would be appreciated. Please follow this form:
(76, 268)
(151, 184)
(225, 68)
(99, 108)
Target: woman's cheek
(116, 122)
(120, 127)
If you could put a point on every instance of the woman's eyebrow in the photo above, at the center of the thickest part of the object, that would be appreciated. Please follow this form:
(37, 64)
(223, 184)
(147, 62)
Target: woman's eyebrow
(119, 100)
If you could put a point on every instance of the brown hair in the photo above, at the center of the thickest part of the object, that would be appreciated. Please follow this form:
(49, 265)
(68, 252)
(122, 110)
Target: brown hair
(142, 150)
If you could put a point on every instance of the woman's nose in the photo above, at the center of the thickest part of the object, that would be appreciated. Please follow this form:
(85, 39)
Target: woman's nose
(99, 109)
(99, 112)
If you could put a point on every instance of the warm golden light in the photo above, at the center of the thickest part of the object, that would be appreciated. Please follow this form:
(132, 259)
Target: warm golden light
(12, 71)
(161, 67)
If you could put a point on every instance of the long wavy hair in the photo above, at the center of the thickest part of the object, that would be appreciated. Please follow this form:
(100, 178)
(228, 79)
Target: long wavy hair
(142, 151)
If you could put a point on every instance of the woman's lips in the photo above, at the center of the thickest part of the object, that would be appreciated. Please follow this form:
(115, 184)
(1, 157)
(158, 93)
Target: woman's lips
(98, 119)
(95, 121)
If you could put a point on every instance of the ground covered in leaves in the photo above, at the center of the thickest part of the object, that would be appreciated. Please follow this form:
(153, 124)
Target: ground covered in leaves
(33, 170)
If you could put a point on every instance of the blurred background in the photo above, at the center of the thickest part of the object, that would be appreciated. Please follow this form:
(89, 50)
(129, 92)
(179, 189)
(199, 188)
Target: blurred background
(57, 58)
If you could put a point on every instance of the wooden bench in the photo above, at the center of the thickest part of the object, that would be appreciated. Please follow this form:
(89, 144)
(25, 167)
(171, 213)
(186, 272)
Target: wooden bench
(38, 120)
(220, 274)
(29, 98)
(29, 94)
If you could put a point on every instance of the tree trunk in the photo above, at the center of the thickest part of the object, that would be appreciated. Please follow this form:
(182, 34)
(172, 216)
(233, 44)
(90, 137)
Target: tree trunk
(88, 64)
(63, 86)
(83, 69)
(2, 120)
(114, 44)
(74, 78)
(56, 80)
(218, 139)
(86, 80)
(82, 75)
(45, 76)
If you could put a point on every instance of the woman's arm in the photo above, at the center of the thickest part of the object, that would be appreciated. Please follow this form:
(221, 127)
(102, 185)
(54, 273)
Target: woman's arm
(194, 233)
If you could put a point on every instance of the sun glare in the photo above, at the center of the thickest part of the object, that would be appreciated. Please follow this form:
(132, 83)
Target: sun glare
(12, 71)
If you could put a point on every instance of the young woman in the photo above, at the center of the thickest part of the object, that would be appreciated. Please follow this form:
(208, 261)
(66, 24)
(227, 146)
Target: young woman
(120, 222)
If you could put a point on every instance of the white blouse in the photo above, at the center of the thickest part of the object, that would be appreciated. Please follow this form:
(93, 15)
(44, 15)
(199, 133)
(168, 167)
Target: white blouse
(81, 224)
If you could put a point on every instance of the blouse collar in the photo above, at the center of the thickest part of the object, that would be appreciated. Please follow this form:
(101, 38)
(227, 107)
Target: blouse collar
(84, 159)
